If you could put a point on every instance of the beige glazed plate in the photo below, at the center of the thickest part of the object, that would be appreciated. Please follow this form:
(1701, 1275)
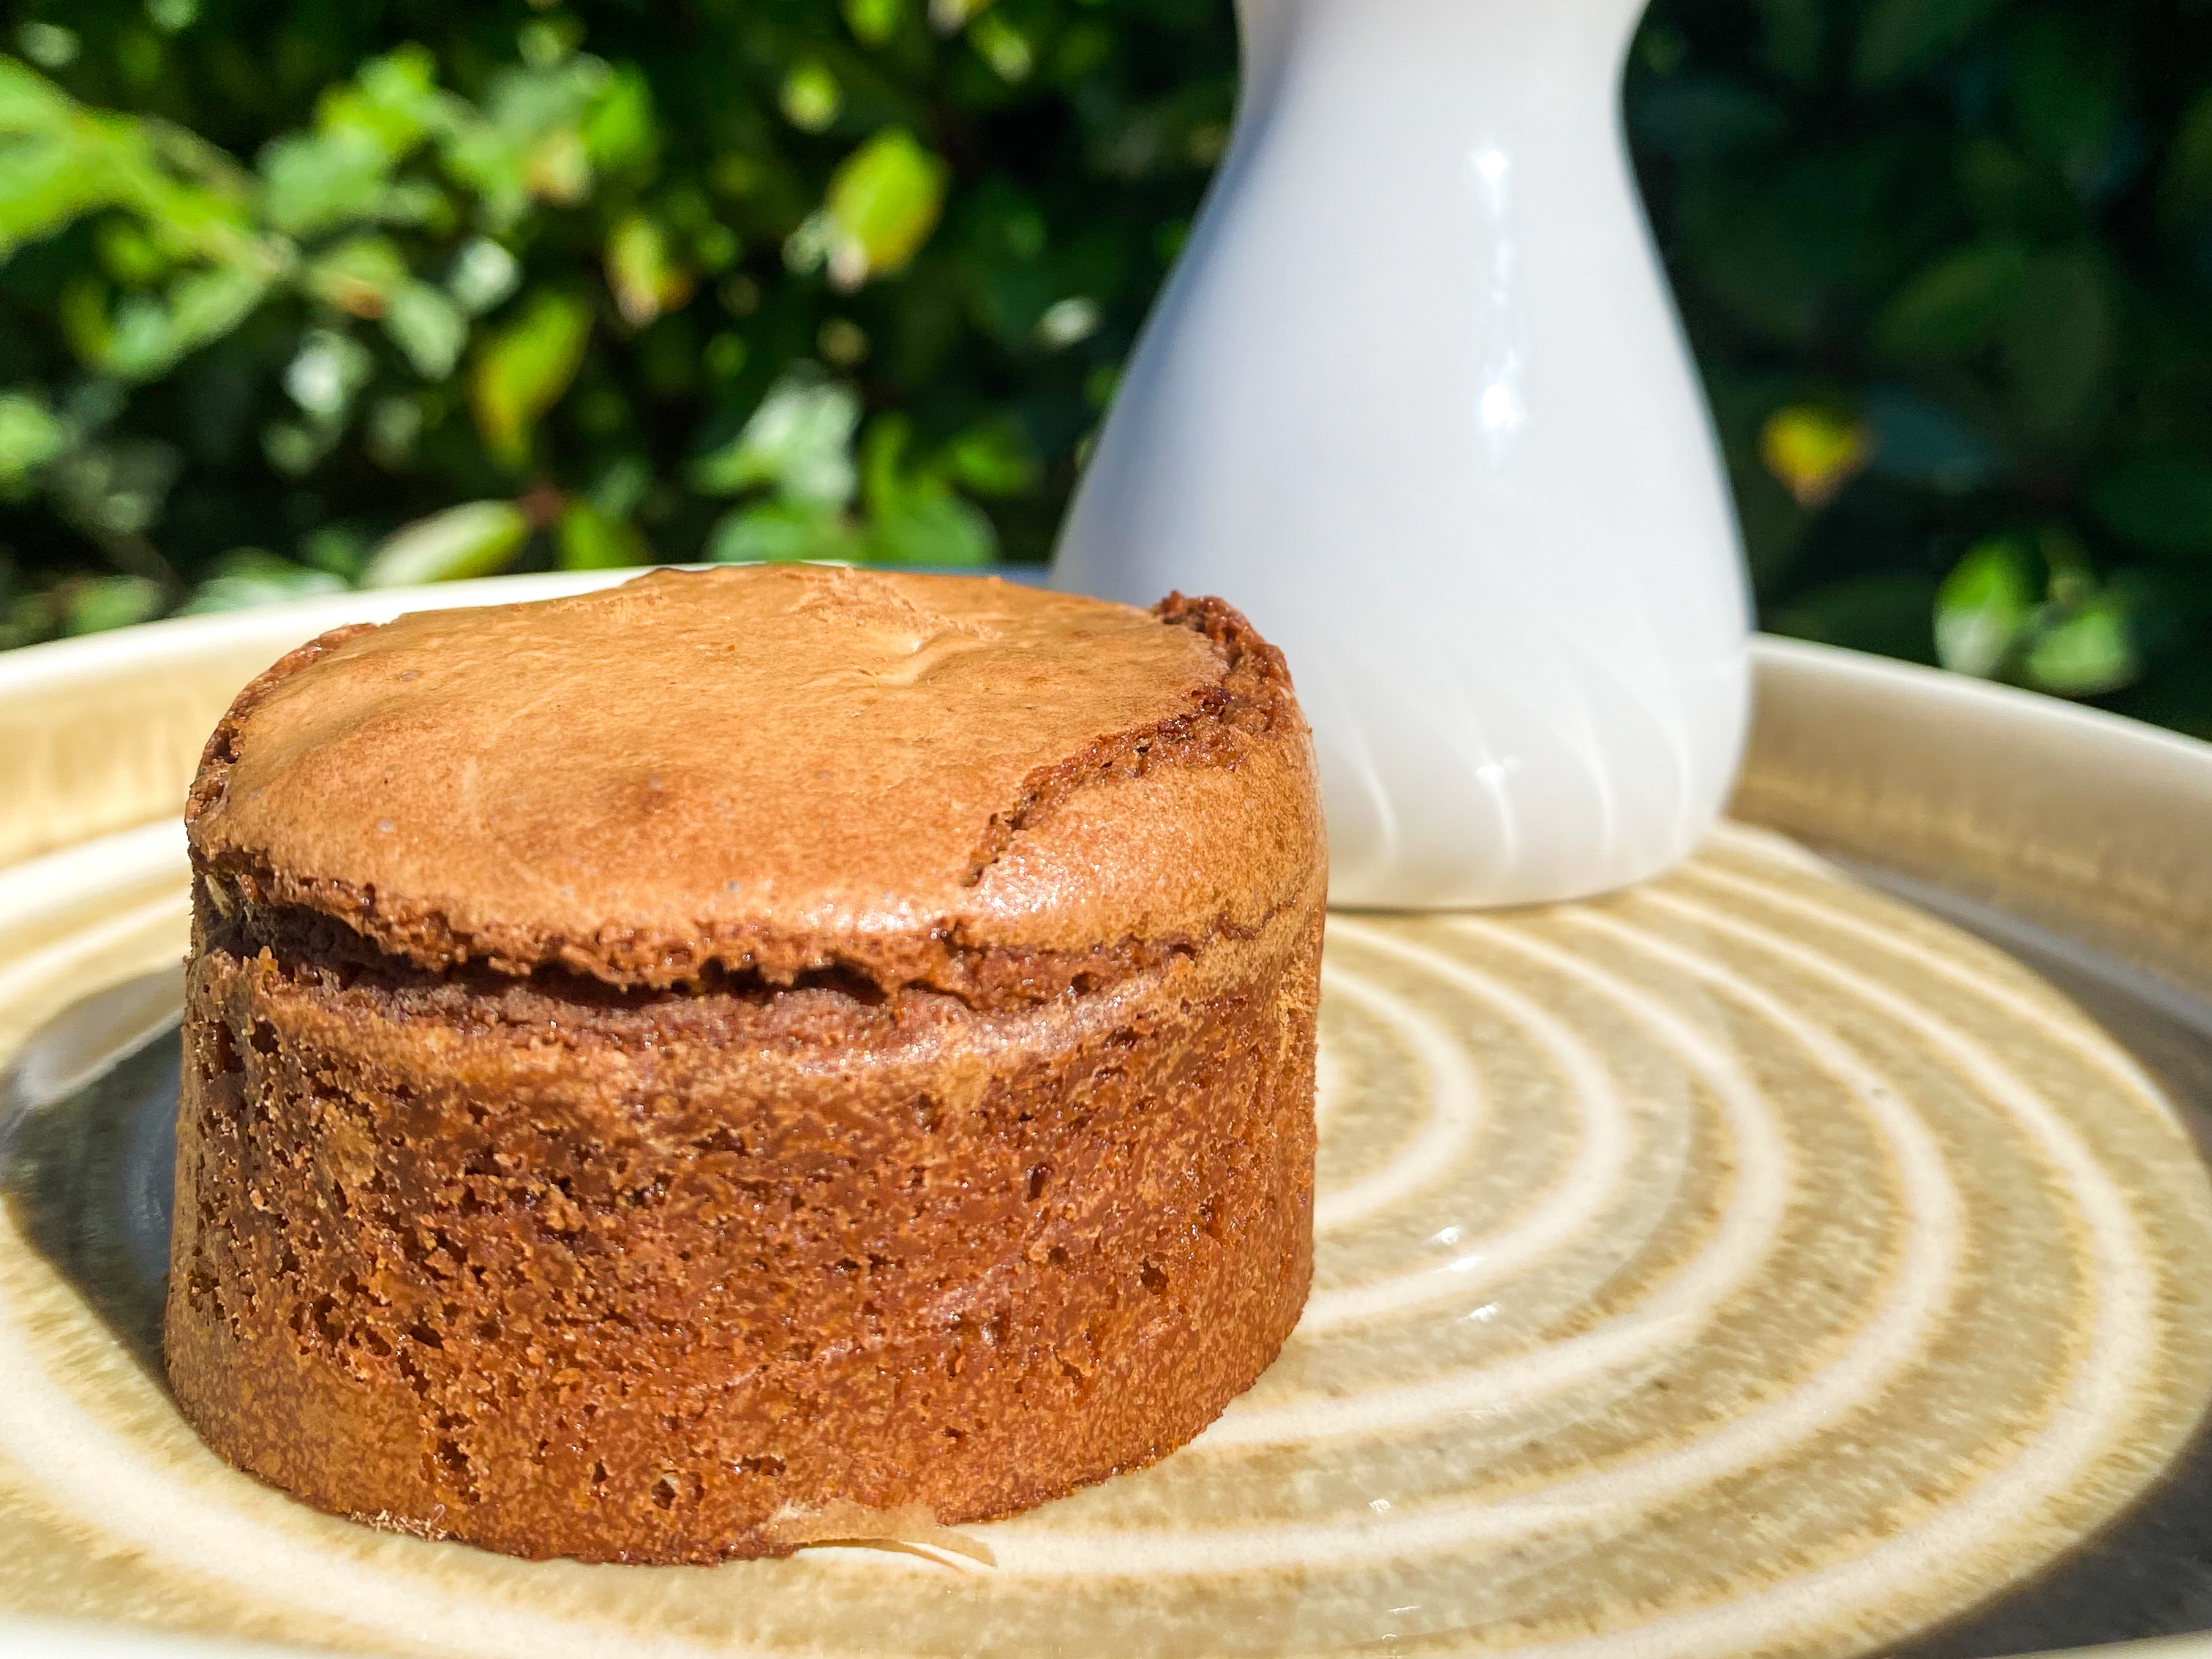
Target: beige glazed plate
(1807, 1254)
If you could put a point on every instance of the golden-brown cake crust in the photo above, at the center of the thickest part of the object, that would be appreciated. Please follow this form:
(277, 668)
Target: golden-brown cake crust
(764, 1192)
(781, 766)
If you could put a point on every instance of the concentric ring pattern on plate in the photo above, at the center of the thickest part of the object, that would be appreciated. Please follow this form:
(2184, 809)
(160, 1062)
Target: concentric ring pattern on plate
(1746, 1264)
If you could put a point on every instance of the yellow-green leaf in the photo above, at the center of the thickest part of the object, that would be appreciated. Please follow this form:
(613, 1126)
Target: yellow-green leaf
(522, 369)
(1985, 605)
(883, 201)
(1814, 451)
(643, 272)
(476, 538)
(2086, 653)
(593, 540)
(811, 97)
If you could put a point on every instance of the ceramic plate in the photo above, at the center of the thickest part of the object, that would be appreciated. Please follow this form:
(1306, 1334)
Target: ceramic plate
(1803, 1255)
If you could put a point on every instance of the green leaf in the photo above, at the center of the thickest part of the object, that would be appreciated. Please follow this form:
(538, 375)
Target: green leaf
(427, 327)
(2087, 652)
(106, 602)
(933, 526)
(393, 103)
(248, 576)
(874, 22)
(589, 539)
(1984, 606)
(993, 459)
(1903, 37)
(2161, 502)
(882, 203)
(798, 443)
(914, 516)
(643, 271)
(148, 335)
(811, 97)
(619, 131)
(483, 274)
(522, 369)
(326, 373)
(1954, 304)
(30, 436)
(1003, 47)
(779, 532)
(314, 182)
(476, 538)
(358, 275)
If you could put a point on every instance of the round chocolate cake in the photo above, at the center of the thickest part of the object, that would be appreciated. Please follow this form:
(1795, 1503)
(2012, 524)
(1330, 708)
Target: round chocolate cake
(745, 1058)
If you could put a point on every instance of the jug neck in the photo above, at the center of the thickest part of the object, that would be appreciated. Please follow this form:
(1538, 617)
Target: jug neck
(1571, 37)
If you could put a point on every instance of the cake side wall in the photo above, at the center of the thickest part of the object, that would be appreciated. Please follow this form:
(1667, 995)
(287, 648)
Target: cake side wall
(649, 1296)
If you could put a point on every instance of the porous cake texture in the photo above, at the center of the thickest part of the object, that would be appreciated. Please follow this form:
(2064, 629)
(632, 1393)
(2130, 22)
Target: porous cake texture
(745, 1058)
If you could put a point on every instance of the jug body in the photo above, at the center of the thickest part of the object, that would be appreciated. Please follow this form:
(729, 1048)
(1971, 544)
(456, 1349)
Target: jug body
(1417, 400)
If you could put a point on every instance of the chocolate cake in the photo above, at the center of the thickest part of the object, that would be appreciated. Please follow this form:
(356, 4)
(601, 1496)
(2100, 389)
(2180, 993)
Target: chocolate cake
(745, 1058)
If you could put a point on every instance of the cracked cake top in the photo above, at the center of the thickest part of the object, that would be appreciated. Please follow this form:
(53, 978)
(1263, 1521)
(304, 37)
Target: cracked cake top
(772, 771)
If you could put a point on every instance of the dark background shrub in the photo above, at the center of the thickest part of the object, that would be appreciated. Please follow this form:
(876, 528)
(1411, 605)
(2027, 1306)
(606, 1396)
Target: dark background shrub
(591, 283)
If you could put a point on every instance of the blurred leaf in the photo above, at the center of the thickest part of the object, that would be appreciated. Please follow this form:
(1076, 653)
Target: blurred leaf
(2163, 503)
(1902, 37)
(483, 273)
(915, 517)
(251, 575)
(106, 602)
(619, 131)
(1924, 443)
(316, 181)
(1686, 115)
(992, 460)
(329, 368)
(874, 22)
(522, 369)
(477, 538)
(798, 441)
(779, 532)
(149, 333)
(643, 271)
(427, 327)
(589, 540)
(1003, 47)
(1956, 304)
(358, 275)
(1984, 605)
(30, 436)
(1892, 614)
(811, 97)
(2087, 652)
(883, 201)
(1814, 451)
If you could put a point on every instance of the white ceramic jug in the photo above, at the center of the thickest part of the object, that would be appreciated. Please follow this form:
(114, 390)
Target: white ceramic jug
(1417, 401)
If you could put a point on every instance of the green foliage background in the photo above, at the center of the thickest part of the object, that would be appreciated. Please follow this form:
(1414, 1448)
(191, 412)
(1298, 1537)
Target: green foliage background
(303, 295)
